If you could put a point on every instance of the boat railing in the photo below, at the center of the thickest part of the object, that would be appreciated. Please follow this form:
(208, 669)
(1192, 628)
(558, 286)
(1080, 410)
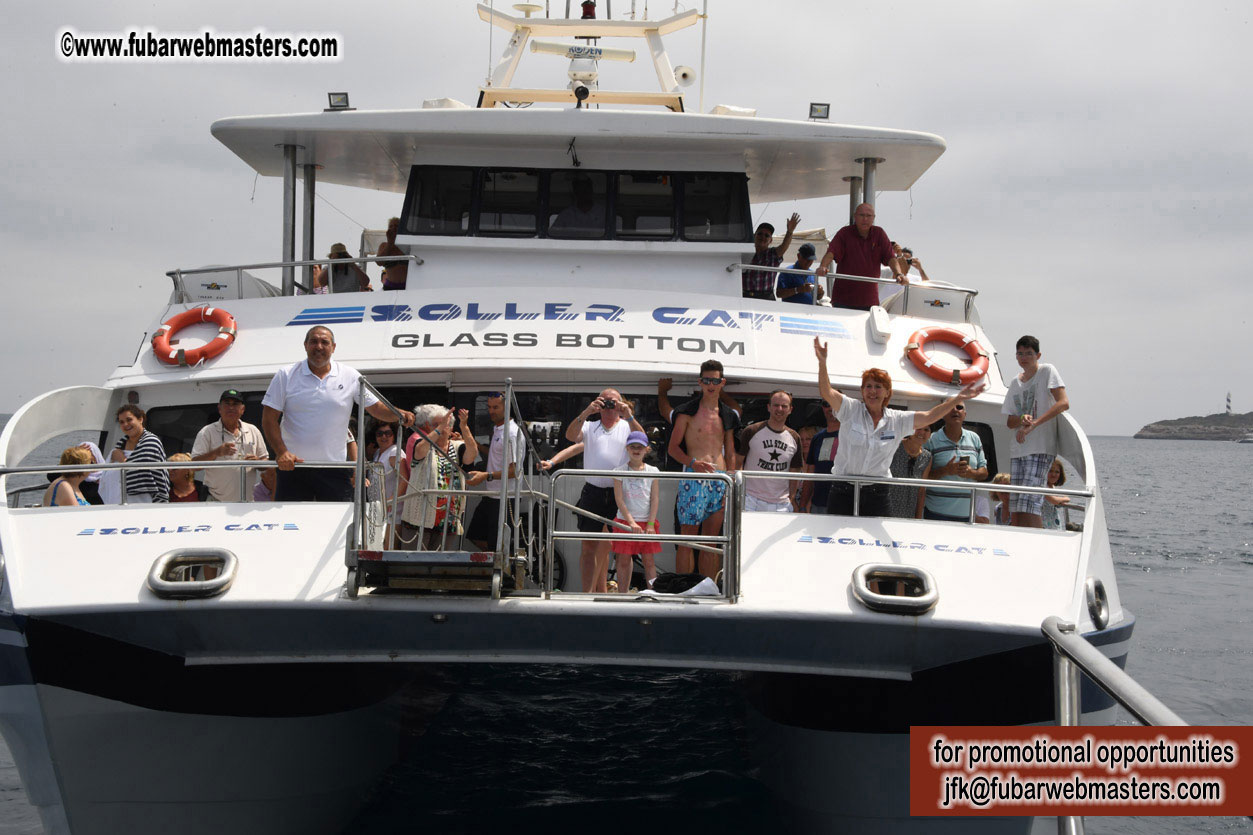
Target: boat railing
(972, 487)
(365, 528)
(525, 464)
(178, 276)
(726, 544)
(125, 466)
(968, 293)
(1072, 654)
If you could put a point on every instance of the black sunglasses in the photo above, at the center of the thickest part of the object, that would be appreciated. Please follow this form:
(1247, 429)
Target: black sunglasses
(711, 381)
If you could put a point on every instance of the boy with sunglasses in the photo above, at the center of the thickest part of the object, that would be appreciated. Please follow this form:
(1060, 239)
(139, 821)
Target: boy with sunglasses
(703, 441)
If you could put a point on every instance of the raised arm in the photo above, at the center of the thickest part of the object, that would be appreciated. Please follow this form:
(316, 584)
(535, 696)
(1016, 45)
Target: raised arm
(824, 380)
(626, 411)
(574, 432)
(787, 237)
(663, 400)
(933, 414)
(471, 452)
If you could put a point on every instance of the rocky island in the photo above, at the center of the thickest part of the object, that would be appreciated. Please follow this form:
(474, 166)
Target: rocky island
(1219, 427)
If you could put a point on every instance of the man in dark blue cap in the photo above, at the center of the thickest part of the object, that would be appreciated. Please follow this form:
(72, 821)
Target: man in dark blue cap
(796, 288)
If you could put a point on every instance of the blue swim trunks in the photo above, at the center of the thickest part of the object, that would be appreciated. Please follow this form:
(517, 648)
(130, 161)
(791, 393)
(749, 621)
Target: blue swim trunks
(698, 499)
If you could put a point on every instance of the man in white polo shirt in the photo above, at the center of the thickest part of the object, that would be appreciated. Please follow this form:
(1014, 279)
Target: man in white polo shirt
(604, 448)
(315, 399)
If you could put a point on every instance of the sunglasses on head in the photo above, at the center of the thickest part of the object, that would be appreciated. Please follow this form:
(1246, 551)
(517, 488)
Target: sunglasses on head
(711, 381)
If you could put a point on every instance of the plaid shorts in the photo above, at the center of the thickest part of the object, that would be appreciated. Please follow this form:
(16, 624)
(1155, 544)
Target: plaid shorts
(1029, 471)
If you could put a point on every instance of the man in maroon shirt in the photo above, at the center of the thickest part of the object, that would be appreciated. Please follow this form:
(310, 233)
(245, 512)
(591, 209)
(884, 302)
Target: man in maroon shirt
(859, 249)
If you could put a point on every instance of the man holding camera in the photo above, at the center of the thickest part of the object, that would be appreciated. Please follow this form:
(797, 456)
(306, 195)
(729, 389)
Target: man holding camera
(908, 261)
(604, 448)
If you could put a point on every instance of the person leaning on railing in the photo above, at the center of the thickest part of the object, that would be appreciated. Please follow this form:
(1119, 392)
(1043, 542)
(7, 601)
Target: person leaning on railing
(859, 249)
(870, 433)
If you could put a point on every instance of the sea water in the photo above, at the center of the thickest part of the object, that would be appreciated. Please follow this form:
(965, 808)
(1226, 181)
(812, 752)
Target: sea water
(604, 750)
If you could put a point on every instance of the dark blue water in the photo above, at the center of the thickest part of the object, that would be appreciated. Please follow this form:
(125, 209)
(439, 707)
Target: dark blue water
(559, 749)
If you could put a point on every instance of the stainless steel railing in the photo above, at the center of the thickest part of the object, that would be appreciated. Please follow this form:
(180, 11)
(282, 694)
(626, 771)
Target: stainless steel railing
(1073, 654)
(859, 481)
(359, 498)
(728, 540)
(968, 292)
(241, 464)
(180, 286)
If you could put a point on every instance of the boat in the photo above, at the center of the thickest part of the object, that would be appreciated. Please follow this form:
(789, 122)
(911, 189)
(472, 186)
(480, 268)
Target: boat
(1247, 439)
(140, 692)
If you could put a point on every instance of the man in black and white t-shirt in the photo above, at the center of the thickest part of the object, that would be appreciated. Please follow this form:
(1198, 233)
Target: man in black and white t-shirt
(771, 446)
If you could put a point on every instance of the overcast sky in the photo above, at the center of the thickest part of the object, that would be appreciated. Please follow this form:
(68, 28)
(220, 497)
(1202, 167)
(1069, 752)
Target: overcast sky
(1097, 186)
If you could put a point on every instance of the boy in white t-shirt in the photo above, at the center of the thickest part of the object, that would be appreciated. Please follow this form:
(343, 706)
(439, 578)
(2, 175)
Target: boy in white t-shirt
(637, 509)
(1035, 397)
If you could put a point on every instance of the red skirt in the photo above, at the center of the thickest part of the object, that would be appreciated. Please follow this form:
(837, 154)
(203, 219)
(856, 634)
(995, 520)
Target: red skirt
(626, 546)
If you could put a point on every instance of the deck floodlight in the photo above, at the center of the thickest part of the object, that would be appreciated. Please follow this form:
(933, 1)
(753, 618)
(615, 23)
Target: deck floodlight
(819, 110)
(338, 101)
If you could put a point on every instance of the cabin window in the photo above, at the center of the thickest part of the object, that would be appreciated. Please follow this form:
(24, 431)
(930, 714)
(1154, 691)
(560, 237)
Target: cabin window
(715, 207)
(576, 204)
(509, 203)
(644, 207)
(439, 201)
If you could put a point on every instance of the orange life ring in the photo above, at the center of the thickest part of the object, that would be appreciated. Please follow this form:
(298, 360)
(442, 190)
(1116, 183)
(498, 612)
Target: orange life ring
(214, 347)
(978, 357)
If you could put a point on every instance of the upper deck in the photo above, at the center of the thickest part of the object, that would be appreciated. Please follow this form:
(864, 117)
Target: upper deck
(784, 160)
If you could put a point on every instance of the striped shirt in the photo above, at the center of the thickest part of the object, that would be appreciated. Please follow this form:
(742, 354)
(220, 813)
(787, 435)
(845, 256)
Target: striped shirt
(943, 450)
(156, 482)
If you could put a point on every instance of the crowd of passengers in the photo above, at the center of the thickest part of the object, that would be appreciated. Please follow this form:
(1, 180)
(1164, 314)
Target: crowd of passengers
(858, 249)
(308, 409)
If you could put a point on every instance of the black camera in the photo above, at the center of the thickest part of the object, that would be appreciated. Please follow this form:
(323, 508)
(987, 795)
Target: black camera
(609, 404)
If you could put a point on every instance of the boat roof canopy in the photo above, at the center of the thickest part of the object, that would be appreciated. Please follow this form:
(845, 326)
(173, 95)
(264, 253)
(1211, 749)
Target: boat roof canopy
(784, 160)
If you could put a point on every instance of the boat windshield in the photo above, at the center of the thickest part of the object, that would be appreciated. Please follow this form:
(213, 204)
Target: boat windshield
(582, 204)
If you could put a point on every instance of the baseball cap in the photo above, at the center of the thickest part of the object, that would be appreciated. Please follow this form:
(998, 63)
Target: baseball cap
(231, 394)
(637, 438)
(806, 251)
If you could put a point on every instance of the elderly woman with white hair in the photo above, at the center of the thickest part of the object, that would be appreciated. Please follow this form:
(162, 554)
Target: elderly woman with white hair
(422, 470)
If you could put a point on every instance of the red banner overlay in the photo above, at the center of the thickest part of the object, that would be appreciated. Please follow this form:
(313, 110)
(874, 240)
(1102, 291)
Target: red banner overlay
(1090, 770)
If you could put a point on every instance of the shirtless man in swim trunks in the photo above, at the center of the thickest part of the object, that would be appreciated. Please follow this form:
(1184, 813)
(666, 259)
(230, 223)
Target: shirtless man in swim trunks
(703, 441)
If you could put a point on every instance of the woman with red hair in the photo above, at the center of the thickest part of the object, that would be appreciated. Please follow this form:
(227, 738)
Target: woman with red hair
(870, 433)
